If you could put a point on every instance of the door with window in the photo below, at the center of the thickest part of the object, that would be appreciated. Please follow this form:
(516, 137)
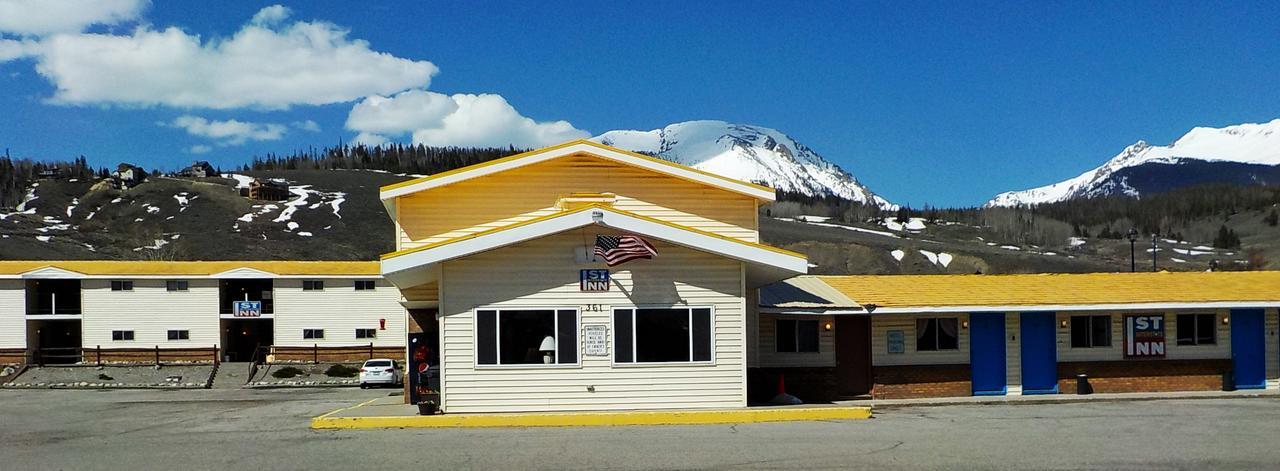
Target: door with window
(986, 353)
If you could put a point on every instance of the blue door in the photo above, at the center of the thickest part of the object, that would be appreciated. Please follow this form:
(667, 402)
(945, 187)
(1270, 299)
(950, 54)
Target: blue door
(1039, 354)
(986, 353)
(1248, 353)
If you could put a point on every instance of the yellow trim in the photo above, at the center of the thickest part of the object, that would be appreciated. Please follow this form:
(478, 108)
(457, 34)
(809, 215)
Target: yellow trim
(561, 146)
(931, 291)
(593, 419)
(581, 209)
(191, 268)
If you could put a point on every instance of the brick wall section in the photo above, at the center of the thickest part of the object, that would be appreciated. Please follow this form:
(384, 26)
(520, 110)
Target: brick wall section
(12, 356)
(336, 353)
(912, 381)
(1144, 375)
(810, 384)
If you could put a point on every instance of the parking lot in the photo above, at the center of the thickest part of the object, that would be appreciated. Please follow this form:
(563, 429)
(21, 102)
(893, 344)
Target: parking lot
(268, 429)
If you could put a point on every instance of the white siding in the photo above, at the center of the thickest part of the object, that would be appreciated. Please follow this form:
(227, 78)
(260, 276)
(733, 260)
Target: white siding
(769, 356)
(338, 309)
(1013, 352)
(13, 314)
(150, 311)
(1173, 351)
(880, 324)
(542, 273)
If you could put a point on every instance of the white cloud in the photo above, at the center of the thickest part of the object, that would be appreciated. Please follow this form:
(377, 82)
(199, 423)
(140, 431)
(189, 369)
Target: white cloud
(199, 149)
(370, 139)
(262, 66)
(308, 125)
(11, 49)
(271, 15)
(230, 132)
(459, 120)
(44, 17)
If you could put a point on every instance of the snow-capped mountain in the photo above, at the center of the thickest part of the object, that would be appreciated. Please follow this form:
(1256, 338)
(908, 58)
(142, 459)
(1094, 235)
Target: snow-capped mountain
(1234, 154)
(745, 152)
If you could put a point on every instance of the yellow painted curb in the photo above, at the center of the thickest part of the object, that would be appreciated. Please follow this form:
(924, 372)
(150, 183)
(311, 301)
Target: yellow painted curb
(589, 419)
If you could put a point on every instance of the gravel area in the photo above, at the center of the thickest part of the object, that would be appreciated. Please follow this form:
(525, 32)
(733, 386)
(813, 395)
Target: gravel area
(313, 376)
(103, 377)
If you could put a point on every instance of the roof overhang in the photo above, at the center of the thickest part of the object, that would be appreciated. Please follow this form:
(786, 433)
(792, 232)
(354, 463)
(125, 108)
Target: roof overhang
(764, 264)
(389, 193)
(52, 273)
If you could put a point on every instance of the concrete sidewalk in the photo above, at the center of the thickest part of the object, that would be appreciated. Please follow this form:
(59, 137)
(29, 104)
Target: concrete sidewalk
(392, 412)
(1060, 398)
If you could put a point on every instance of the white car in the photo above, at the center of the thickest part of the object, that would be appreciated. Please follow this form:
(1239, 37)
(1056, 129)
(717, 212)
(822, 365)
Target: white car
(380, 371)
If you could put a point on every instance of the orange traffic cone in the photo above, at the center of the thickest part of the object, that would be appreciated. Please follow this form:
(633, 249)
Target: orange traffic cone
(783, 398)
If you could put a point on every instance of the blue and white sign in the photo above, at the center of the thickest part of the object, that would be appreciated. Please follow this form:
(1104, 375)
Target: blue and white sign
(593, 280)
(1144, 336)
(246, 309)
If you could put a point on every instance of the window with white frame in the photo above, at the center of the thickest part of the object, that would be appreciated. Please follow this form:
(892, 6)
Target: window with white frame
(312, 333)
(176, 285)
(121, 335)
(179, 335)
(526, 336)
(364, 285)
(121, 285)
(662, 335)
(366, 333)
(1197, 329)
(937, 333)
(1090, 331)
(796, 335)
(313, 285)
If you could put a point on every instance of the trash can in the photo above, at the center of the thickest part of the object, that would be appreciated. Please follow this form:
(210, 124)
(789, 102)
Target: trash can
(1082, 384)
(1228, 380)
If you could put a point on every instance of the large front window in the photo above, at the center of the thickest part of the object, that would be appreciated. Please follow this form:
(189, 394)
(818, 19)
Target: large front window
(526, 336)
(662, 335)
(934, 334)
(1197, 329)
(1090, 331)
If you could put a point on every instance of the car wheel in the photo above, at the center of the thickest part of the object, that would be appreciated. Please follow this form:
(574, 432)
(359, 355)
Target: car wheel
(364, 386)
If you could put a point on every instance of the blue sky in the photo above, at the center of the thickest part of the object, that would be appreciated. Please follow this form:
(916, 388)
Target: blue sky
(945, 103)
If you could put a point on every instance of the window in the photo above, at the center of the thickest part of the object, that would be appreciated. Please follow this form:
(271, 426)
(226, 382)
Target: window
(1090, 331)
(794, 335)
(179, 335)
(366, 333)
(526, 337)
(663, 335)
(176, 285)
(312, 333)
(121, 285)
(1197, 329)
(364, 285)
(120, 335)
(313, 285)
(934, 334)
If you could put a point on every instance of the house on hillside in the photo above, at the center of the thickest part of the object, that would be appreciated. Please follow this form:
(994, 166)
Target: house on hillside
(267, 190)
(127, 176)
(199, 169)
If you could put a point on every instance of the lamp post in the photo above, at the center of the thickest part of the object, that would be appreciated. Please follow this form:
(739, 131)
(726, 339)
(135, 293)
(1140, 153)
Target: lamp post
(1155, 250)
(1133, 251)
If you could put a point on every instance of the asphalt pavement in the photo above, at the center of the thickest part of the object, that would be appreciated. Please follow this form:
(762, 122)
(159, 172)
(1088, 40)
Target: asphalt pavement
(268, 429)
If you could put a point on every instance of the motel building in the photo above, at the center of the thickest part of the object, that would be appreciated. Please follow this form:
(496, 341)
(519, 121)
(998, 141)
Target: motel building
(86, 311)
(581, 277)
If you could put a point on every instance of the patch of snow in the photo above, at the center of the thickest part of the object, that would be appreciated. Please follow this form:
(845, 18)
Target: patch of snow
(156, 245)
(30, 196)
(933, 257)
(1050, 253)
(944, 259)
(292, 206)
(303, 234)
(912, 224)
(292, 226)
(150, 209)
(168, 218)
(839, 226)
(117, 200)
(1075, 241)
(812, 218)
(242, 181)
(897, 254)
(327, 227)
(43, 238)
(91, 213)
(1010, 247)
(1177, 260)
(90, 247)
(74, 203)
(991, 244)
(137, 220)
(1202, 247)
(336, 203)
(1191, 252)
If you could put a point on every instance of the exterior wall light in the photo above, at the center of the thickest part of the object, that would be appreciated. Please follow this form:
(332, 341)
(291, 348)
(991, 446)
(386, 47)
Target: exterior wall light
(964, 325)
(1226, 320)
(827, 326)
(1063, 324)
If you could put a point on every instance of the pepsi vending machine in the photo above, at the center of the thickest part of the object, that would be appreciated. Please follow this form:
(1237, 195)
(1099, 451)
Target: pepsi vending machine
(424, 371)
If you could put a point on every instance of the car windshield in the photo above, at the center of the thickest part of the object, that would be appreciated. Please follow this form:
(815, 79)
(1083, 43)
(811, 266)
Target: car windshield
(378, 363)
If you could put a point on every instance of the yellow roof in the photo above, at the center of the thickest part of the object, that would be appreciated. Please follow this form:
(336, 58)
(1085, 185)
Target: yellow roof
(195, 268)
(913, 291)
(597, 145)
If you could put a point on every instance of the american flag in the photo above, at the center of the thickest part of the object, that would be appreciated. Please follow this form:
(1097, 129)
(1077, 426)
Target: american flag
(616, 250)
